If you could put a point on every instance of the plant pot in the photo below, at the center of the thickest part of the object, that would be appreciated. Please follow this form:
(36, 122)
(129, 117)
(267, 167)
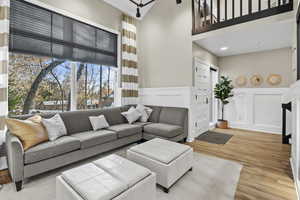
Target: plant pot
(222, 124)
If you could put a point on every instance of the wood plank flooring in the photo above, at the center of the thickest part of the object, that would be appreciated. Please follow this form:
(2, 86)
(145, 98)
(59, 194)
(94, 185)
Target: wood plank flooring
(266, 173)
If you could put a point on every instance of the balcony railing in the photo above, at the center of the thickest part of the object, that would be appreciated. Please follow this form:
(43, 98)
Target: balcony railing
(210, 15)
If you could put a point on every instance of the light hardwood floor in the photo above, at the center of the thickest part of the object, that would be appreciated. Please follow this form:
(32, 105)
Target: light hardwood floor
(266, 173)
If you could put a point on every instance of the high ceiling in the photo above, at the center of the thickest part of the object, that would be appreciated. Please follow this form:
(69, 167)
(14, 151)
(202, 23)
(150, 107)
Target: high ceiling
(252, 39)
(129, 8)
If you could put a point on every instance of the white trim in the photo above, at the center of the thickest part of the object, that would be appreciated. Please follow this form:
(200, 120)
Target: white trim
(71, 15)
(297, 186)
(74, 86)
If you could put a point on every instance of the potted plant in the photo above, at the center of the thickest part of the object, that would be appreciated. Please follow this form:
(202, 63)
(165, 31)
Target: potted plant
(223, 91)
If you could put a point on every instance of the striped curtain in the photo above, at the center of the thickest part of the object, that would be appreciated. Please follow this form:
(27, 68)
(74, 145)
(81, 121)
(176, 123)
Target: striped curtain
(4, 32)
(129, 62)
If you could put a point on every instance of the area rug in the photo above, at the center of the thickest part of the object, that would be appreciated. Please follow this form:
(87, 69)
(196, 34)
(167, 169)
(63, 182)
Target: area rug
(211, 179)
(214, 137)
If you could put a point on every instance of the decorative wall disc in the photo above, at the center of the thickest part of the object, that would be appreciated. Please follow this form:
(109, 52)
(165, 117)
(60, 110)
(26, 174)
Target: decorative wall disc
(274, 79)
(256, 80)
(241, 81)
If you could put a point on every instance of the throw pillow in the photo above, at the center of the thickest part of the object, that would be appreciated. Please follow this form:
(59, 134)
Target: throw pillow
(132, 115)
(145, 112)
(31, 131)
(98, 122)
(55, 127)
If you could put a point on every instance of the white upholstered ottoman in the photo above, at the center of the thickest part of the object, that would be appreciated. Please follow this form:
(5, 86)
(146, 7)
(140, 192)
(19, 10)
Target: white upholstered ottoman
(110, 178)
(169, 160)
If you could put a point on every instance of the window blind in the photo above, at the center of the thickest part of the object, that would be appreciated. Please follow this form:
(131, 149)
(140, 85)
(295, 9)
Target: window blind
(36, 30)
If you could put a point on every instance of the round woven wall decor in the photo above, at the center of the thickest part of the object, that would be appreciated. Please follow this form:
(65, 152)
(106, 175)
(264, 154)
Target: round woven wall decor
(256, 80)
(241, 81)
(274, 79)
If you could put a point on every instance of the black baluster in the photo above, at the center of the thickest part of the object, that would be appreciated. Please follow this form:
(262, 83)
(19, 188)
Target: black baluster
(250, 7)
(211, 11)
(233, 8)
(218, 10)
(205, 13)
(241, 8)
(225, 10)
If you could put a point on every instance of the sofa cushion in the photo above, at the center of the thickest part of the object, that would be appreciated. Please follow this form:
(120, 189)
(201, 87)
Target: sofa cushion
(93, 138)
(78, 121)
(51, 149)
(127, 171)
(124, 130)
(175, 116)
(142, 124)
(154, 116)
(163, 130)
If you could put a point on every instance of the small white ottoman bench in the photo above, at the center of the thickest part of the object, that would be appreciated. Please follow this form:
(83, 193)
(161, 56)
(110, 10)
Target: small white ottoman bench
(169, 160)
(110, 178)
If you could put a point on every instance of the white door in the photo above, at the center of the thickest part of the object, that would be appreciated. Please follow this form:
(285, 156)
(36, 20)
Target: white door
(201, 97)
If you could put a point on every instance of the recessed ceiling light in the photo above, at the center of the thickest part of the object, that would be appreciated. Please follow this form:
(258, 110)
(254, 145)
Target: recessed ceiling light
(223, 48)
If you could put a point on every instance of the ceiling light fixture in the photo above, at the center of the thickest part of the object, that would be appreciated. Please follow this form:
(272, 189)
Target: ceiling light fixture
(223, 48)
(141, 5)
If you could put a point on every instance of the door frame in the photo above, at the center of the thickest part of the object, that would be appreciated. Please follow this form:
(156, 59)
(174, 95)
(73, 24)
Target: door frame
(216, 106)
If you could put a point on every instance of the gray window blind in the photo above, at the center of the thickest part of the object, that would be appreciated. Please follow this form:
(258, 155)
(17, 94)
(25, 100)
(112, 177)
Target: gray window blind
(36, 30)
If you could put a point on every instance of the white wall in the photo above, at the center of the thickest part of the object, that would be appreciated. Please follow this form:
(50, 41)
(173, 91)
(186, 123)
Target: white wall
(94, 10)
(165, 45)
(277, 61)
(205, 55)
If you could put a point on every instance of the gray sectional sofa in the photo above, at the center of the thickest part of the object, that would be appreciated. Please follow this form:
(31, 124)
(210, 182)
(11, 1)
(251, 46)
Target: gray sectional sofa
(82, 142)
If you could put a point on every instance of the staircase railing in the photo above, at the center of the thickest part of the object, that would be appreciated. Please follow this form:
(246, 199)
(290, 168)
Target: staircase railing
(210, 15)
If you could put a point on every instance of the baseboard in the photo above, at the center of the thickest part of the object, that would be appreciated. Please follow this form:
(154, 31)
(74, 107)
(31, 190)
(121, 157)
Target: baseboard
(264, 129)
(295, 179)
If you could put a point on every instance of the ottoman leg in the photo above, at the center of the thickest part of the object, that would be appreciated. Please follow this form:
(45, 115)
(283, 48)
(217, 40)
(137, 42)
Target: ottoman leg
(18, 185)
(166, 190)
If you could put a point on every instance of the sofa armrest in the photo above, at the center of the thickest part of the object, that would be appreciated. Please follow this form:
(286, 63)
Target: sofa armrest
(15, 157)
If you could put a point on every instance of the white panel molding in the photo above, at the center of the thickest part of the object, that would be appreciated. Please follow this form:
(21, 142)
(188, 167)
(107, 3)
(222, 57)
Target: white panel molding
(170, 96)
(256, 109)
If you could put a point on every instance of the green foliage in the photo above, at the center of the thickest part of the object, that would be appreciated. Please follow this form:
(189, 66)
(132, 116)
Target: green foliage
(14, 99)
(223, 91)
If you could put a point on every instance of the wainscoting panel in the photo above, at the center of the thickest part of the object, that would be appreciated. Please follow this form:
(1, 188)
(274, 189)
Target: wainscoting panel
(257, 109)
(172, 97)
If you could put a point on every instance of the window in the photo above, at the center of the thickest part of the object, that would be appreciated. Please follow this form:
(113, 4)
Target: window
(96, 86)
(43, 44)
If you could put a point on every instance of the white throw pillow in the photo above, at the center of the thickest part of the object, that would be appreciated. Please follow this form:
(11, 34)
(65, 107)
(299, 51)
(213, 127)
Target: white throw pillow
(55, 127)
(132, 115)
(98, 122)
(145, 112)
